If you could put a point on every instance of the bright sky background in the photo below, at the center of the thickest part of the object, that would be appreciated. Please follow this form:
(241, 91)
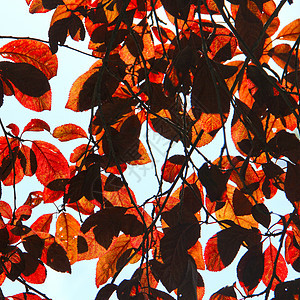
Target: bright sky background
(15, 20)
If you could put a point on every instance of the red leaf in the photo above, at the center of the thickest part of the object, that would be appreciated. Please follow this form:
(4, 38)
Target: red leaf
(35, 271)
(51, 163)
(222, 247)
(69, 132)
(32, 52)
(42, 224)
(5, 210)
(281, 268)
(14, 129)
(36, 125)
(24, 296)
(250, 268)
(23, 212)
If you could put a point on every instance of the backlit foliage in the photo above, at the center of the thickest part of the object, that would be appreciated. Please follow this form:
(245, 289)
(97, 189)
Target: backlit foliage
(179, 69)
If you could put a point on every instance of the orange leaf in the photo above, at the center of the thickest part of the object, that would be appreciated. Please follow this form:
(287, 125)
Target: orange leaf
(196, 253)
(5, 210)
(78, 98)
(227, 212)
(281, 268)
(290, 32)
(50, 196)
(36, 125)
(51, 164)
(32, 52)
(23, 212)
(34, 199)
(107, 263)
(88, 247)
(36, 6)
(144, 158)
(283, 57)
(35, 103)
(67, 228)
(172, 167)
(42, 224)
(79, 152)
(69, 132)
(115, 191)
(83, 205)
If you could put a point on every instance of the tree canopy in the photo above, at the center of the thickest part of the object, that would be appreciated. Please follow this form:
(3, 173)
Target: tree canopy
(188, 71)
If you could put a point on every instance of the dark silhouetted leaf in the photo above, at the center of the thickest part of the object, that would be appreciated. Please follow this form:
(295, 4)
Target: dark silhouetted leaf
(106, 291)
(291, 185)
(250, 268)
(57, 258)
(26, 78)
(261, 214)
(241, 204)
(213, 180)
(225, 293)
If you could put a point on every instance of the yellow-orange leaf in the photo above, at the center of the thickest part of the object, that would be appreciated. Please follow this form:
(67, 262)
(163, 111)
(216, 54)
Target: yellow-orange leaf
(74, 95)
(69, 132)
(284, 57)
(32, 52)
(227, 212)
(107, 263)
(88, 247)
(290, 32)
(67, 229)
(197, 254)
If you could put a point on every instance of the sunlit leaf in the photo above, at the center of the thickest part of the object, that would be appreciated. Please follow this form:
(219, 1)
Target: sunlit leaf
(36, 125)
(69, 132)
(42, 223)
(5, 210)
(51, 164)
(172, 167)
(32, 52)
(106, 265)
(270, 263)
(67, 229)
(290, 32)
